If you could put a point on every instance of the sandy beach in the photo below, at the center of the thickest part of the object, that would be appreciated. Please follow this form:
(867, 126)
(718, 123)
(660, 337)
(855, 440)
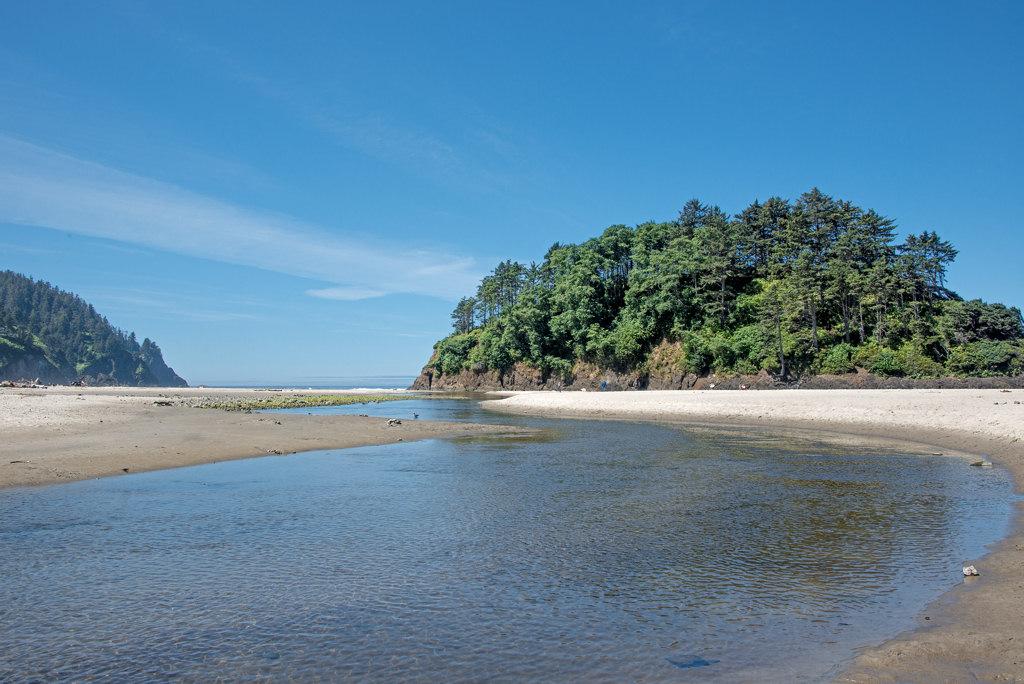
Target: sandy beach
(62, 434)
(976, 631)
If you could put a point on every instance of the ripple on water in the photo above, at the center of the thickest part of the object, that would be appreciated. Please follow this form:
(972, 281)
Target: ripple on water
(604, 551)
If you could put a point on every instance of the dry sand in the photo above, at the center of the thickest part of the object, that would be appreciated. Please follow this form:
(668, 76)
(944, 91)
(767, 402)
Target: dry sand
(976, 631)
(63, 434)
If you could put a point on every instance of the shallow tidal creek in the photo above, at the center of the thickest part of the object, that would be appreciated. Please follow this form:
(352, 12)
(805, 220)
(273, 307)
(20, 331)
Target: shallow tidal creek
(598, 551)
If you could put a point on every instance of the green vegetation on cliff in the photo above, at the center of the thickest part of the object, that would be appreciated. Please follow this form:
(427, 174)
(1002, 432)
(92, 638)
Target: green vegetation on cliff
(818, 285)
(56, 336)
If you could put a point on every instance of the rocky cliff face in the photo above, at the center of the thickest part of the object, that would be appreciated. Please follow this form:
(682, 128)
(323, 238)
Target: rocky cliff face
(57, 337)
(163, 375)
(30, 364)
(584, 376)
(590, 378)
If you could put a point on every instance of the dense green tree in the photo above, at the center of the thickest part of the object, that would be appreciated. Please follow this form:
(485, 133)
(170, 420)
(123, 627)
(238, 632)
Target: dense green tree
(814, 285)
(464, 315)
(53, 334)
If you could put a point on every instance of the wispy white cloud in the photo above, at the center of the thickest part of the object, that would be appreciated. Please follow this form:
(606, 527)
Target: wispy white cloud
(170, 305)
(477, 154)
(46, 188)
(345, 294)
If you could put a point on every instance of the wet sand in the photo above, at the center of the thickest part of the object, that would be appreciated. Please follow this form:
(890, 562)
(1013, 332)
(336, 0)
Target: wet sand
(976, 631)
(64, 434)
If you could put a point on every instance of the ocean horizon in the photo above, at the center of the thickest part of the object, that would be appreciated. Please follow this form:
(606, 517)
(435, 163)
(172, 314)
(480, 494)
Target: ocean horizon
(320, 383)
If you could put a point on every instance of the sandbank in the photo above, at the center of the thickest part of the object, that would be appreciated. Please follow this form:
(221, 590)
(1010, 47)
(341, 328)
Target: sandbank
(62, 434)
(974, 632)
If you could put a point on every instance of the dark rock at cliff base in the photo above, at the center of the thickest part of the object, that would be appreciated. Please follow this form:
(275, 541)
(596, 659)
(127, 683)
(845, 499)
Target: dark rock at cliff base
(591, 378)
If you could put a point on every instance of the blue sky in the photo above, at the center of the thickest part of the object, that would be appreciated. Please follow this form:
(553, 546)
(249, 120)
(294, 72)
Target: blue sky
(276, 192)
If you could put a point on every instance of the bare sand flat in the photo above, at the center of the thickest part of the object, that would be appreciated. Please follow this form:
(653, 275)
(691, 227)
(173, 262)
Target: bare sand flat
(988, 413)
(65, 434)
(976, 631)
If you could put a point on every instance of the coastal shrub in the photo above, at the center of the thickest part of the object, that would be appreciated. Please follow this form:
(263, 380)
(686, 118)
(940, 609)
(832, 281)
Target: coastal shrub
(886, 363)
(839, 359)
(490, 352)
(619, 348)
(742, 351)
(599, 347)
(864, 355)
(745, 367)
(627, 342)
(917, 364)
(986, 358)
(554, 367)
(522, 336)
(723, 357)
(800, 354)
(452, 353)
(697, 355)
(770, 364)
(751, 346)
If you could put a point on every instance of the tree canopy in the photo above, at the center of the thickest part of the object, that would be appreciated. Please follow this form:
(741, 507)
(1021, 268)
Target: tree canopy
(815, 285)
(45, 331)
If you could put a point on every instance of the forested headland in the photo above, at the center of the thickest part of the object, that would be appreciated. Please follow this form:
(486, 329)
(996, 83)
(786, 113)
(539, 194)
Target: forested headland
(57, 337)
(781, 290)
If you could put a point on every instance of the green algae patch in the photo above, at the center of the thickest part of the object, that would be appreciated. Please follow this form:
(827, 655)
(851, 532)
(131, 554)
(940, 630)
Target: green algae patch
(303, 401)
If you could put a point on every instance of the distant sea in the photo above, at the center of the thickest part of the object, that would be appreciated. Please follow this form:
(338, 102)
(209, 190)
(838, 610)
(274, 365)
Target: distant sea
(339, 382)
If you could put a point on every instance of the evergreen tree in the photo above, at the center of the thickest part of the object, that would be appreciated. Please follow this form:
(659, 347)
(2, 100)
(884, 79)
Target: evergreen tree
(815, 285)
(63, 338)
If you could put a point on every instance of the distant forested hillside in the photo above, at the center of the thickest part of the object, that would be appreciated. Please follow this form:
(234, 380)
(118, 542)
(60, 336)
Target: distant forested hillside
(56, 336)
(789, 289)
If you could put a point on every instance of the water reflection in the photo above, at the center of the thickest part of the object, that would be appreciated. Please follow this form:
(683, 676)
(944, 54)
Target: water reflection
(604, 551)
